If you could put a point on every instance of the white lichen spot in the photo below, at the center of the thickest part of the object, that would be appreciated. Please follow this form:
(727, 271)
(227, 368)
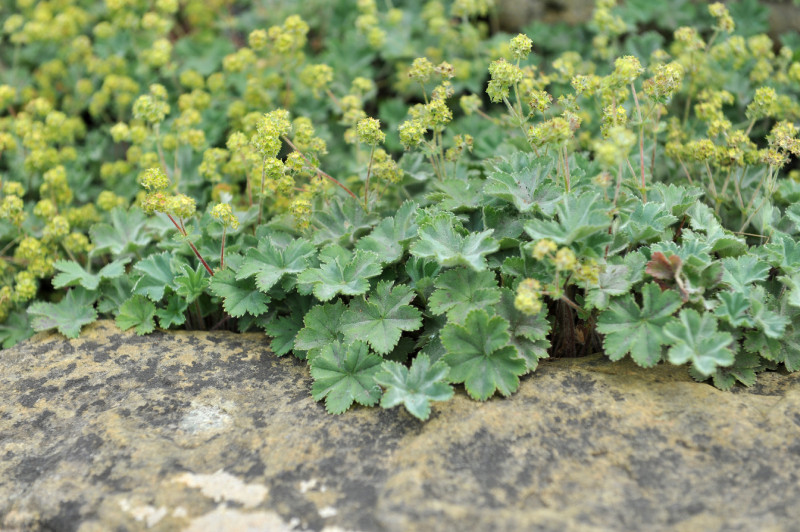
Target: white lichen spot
(224, 486)
(224, 519)
(328, 511)
(150, 515)
(179, 512)
(306, 485)
(204, 418)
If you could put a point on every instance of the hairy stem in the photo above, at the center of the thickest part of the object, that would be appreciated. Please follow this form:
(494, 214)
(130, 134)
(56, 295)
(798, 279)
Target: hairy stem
(316, 169)
(222, 250)
(197, 253)
(366, 183)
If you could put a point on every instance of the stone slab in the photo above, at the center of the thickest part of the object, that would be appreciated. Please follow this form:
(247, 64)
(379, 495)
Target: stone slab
(210, 431)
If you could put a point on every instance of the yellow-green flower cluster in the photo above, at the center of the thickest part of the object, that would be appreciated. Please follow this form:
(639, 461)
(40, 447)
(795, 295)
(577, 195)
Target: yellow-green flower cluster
(213, 159)
(55, 186)
(154, 179)
(152, 107)
(421, 70)
(222, 213)
(666, 81)
(108, 201)
(289, 38)
(12, 209)
(764, 103)
(316, 77)
(521, 46)
(539, 100)
(412, 133)
(460, 144)
(384, 168)
(270, 129)
(504, 75)
(181, 205)
(613, 151)
(470, 104)
(626, 70)
(471, 8)
(367, 23)
(55, 229)
(556, 131)
(724, 21)
(369, 131)
(301, 209)
(528, 298)
(543, 248)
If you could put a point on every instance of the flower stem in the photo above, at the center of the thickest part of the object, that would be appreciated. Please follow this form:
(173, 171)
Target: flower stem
(222, 251)
(316, 169)
(197, 253)
(261, 195)
(366, 184)
(641, 140)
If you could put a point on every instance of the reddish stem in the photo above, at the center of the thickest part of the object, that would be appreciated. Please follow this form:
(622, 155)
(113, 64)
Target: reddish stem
(197, 253)
(289, 142)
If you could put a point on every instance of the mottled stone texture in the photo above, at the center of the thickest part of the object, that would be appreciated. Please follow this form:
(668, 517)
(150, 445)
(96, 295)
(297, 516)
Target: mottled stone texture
(209, 431)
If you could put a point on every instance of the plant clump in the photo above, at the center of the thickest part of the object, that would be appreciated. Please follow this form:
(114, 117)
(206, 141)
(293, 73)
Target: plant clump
(406, 198)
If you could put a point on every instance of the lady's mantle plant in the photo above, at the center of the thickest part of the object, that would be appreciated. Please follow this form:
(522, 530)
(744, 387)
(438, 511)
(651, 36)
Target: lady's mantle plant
(419, 203)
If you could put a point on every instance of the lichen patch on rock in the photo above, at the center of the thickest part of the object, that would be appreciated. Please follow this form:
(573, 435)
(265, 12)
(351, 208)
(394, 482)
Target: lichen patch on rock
(162, 433)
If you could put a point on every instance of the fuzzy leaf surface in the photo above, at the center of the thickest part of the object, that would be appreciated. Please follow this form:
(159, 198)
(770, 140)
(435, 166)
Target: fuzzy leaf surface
(528, 333)
(479, 357)
(740, 273)
(125, 234)
(769, 321)
(734, 308)
(238, 297)
(342, 273)
(390, 237)
(156, 276)
(695, 339)
(67, 316)
(383, 318)
(321, 327)
(269, 264)
(439, 240)
(414, 387)
(191, 284)
(138, 312)
(342, 222)
(73, 274)
(15, 329)
(578, 218)
(174, 313)
(648, 221)
(638, 331)
(344, 374)
(524, 182)
(744, 370)
(612, 281)
(460, 290)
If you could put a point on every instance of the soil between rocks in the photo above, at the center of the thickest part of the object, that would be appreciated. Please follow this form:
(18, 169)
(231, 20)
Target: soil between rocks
(210, 431)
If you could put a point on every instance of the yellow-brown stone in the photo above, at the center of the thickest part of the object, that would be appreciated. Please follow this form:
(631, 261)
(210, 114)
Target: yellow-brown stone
(210, 431)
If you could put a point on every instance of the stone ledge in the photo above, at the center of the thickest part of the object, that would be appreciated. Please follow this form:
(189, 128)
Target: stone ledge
(210, 431)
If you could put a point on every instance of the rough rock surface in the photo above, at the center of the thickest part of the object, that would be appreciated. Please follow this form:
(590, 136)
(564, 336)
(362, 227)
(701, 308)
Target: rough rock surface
(209, 431)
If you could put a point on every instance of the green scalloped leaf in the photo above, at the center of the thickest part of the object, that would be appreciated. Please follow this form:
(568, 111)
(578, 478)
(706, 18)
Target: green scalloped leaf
(638, 331)
(344, 374)
(414, 387)
(478, 355)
